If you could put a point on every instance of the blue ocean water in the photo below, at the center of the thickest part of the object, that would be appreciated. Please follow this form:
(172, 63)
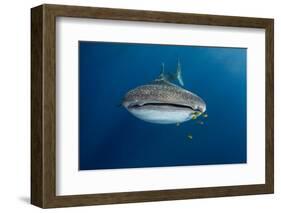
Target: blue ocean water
(110, 137)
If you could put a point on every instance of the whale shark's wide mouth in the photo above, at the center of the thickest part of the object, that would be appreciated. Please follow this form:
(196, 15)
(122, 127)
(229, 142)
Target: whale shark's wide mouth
(161, 105)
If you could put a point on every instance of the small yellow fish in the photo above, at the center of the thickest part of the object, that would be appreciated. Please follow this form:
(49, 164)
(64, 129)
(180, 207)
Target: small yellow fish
(189, 136)
(196, 113)
(205, 115)
(193, 117)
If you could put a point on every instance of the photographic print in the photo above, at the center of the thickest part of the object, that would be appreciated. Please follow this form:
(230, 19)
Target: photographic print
(155, 105)
(135, 106)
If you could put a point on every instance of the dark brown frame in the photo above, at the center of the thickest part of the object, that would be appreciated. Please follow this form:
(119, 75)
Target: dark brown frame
(43, 105)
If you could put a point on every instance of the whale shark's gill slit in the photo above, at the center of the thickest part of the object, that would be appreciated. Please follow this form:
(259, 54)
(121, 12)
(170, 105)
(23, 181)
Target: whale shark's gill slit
(161, 104)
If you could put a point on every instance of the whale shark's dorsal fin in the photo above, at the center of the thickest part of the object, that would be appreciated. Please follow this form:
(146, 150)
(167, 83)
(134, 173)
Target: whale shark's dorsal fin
(169, 77)
(162, 76)
(179, 73)
(162, 71)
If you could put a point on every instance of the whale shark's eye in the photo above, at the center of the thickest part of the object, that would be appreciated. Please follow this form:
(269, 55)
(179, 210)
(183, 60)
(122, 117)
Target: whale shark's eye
(201, 109)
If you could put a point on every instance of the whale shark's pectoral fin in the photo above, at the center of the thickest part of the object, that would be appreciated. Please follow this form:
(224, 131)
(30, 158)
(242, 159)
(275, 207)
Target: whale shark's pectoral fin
(179, 74)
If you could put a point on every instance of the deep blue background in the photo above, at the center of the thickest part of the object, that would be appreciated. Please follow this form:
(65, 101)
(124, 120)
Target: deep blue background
(110, 137)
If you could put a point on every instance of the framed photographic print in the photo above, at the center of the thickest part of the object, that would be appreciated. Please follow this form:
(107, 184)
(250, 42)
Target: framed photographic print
(136, 106)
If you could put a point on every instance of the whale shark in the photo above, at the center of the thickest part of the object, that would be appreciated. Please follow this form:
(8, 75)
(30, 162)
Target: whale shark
(164, 102)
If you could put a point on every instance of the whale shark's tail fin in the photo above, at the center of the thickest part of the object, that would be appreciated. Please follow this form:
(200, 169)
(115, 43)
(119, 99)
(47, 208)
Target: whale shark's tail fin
(179, 74)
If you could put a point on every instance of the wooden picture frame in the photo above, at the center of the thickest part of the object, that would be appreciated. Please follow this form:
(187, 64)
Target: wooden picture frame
(43, 105)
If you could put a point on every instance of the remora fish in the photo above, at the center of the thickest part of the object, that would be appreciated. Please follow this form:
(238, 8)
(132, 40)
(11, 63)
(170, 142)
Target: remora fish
(163, 102)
